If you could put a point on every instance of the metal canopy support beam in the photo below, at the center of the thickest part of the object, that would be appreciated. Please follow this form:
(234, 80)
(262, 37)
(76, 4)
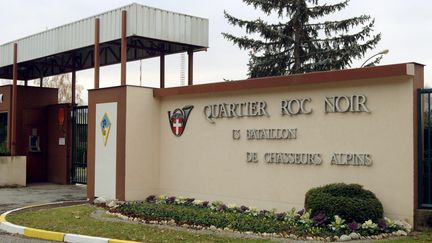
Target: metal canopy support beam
(25, 82)
(190, 67)
(97, 54)
(162, 71)
(110, 53)
(14, 100)
(123, 48)
(41, 82)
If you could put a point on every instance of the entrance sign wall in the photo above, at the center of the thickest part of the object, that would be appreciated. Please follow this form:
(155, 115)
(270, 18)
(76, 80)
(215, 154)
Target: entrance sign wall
(266, 142)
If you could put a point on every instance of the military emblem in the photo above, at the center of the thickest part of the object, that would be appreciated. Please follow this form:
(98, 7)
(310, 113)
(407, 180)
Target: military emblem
(178, 119)
(105, 125)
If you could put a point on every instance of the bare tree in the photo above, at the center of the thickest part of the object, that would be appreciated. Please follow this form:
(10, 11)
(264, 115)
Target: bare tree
(64, 85)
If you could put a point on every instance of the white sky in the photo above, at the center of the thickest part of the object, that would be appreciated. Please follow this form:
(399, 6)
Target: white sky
(406, 28)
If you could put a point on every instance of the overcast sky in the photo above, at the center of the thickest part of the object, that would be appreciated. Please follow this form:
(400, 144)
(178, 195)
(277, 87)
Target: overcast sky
(406, 28)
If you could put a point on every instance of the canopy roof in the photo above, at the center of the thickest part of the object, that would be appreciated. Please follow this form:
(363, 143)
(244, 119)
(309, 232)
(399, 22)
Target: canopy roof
(151, 32)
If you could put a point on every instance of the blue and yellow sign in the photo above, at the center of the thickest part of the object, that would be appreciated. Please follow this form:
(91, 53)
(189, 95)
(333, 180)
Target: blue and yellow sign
(105, 127)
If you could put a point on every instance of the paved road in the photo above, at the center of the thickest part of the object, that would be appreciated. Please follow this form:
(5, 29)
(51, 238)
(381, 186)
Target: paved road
(11, 198)
(5, 238)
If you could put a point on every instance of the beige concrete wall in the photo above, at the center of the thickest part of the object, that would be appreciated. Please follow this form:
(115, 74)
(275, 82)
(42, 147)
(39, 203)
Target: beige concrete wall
(206, 163)
(12, 170)
(142, 144)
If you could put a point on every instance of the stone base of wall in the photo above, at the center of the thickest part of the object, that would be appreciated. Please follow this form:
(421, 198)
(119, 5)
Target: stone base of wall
(13, 171)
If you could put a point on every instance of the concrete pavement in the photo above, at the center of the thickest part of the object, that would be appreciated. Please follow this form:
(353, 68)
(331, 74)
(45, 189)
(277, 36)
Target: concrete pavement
(6, 238)
(11, 198)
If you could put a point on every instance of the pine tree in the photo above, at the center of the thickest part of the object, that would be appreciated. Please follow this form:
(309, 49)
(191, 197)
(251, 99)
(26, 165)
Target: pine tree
(302, 44)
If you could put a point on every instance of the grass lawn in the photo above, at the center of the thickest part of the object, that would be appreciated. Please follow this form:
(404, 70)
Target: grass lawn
(418, 237)
(76, 219)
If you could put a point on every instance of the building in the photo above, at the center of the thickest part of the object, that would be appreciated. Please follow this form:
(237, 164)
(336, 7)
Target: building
(261, 142)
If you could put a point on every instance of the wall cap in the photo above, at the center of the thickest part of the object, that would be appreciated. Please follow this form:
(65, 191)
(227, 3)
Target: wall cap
(393, 70)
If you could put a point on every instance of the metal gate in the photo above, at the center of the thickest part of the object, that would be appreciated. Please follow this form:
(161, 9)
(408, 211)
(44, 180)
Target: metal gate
(424, 102)
(79, 145)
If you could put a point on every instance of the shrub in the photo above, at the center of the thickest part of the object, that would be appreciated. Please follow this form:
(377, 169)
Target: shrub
(187, 214)
(193, 212)
(350, 202)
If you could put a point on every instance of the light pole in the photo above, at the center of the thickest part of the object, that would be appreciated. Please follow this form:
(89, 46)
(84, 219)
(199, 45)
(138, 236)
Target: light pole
(383, 52)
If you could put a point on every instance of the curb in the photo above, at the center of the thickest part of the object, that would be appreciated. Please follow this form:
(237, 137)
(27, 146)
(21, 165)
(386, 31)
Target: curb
(51, 235)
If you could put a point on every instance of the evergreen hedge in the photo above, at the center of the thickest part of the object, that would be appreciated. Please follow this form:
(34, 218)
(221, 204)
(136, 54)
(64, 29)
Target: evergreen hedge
(195, 215)
(327, 209)
(349, 201)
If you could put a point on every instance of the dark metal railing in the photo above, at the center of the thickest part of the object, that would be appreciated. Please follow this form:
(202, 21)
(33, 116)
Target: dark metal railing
(424, 126)
(79, 145)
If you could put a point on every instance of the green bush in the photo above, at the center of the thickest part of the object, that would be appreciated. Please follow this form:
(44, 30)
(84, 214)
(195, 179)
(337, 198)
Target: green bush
(203, 216)
(350, 202)
(347, 201)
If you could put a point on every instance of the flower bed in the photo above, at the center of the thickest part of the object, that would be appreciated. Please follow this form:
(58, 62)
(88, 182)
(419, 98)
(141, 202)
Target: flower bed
(217, 215)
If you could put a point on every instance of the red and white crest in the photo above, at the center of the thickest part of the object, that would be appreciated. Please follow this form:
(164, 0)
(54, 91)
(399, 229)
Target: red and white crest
(177, 126)
(178, 119)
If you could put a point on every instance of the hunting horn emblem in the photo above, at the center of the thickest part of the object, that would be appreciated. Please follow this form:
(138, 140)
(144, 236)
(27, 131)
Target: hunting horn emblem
(178, 119)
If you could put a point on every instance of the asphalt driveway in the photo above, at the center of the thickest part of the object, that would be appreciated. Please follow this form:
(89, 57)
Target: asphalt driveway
(11, 198)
